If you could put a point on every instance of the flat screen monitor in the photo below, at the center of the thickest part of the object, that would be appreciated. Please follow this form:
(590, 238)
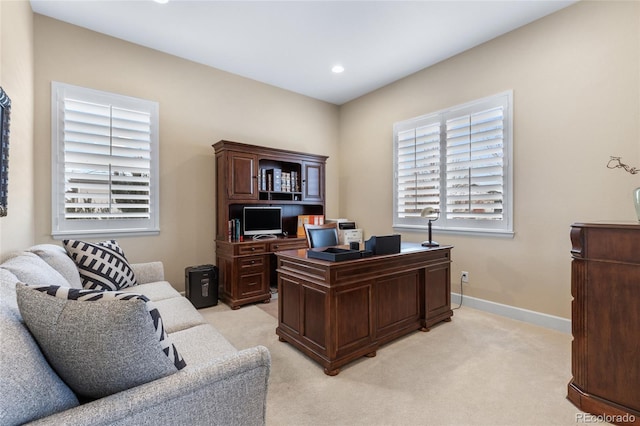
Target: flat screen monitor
(258, 221)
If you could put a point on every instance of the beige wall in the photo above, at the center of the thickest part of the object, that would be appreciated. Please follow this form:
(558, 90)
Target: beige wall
(16, 78)
(198, 106)
(576, 82)
(575, 76)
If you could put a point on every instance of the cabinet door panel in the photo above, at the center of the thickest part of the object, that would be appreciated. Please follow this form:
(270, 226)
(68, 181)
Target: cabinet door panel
(613, 327)
(289, 304)
(398, 302)
(313, 181)
(437, 290)
(353, 304)
(243, 177)
(314, 317)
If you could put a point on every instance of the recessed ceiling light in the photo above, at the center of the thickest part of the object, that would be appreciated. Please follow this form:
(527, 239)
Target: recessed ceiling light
(162, 1)
(337, 69)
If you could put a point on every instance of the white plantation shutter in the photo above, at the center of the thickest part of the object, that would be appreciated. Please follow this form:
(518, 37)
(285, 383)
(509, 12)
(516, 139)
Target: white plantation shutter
(105, 163)
(474, 166)
(107, 155)
(468, 176)
(418, 169)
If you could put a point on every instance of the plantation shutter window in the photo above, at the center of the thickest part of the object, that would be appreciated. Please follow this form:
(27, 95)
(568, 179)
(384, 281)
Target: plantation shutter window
(105, 163)
(418, 159)
(474, 166)
(457, 161)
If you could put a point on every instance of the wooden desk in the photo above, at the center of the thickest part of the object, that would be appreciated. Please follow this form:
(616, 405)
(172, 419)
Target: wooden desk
(336, 312)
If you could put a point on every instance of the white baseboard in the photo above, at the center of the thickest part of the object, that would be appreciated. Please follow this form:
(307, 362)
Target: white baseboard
(532, 317)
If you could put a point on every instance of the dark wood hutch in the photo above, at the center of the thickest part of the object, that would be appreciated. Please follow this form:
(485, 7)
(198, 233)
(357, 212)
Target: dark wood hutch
(247, 268)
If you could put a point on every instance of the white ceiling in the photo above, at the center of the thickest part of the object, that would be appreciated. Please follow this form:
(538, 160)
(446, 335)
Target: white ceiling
(294, 44)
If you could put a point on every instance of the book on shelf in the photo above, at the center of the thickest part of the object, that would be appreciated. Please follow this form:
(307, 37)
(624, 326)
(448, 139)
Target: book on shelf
(263, 179)
(274, 180)
(234, 231)
(295, 183)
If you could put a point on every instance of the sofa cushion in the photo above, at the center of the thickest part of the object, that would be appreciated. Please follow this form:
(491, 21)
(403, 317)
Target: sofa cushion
(102, 265)
(57, 257)
(200, 344)
(99, 342)
(148, 272)
(157, 291)
(178, 314)
(29, 388)
(30, 269)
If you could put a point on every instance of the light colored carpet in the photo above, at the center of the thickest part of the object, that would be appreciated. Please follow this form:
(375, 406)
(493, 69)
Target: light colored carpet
(479, 369)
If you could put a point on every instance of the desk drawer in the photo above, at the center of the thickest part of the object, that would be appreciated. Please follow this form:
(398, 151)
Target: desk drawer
(250, 248)
(298, 243)
(251, 263)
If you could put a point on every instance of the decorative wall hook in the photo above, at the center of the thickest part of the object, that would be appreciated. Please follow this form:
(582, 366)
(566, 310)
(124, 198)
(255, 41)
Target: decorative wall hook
(615, 163)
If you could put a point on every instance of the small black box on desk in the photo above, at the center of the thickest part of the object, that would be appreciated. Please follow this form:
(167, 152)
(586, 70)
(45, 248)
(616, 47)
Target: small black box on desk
(201, 285)
(388, 244)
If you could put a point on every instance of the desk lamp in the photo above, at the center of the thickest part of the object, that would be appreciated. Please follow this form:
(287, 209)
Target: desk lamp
(433, 215)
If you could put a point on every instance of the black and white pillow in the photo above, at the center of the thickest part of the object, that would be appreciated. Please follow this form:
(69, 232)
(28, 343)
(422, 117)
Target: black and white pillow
(99, 342)
(102, 266)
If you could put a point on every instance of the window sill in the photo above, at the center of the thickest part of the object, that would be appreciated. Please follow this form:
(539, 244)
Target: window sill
(495, 233)
(103, 233)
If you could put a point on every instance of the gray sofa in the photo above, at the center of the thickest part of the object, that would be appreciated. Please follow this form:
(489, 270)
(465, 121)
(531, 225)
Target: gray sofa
(219, 385)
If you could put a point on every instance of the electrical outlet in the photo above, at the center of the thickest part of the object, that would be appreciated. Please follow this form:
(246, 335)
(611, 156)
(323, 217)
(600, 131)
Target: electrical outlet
(464, 276)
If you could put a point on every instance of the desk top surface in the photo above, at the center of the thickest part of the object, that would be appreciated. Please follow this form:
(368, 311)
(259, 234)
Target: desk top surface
(405, 248)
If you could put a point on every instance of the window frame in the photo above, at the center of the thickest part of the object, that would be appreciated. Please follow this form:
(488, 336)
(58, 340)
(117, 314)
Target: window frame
(501, 228)
(63, 227)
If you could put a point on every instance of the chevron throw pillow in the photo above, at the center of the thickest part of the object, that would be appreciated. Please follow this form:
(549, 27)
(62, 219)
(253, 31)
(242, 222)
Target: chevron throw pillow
(99, 342)
(102, 266)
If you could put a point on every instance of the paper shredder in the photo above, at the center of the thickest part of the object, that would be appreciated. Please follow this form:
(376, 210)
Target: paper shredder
(201, 285)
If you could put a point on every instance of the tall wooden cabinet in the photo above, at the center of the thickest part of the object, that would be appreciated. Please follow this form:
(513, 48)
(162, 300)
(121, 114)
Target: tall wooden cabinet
(247, 268)
(605, 313)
